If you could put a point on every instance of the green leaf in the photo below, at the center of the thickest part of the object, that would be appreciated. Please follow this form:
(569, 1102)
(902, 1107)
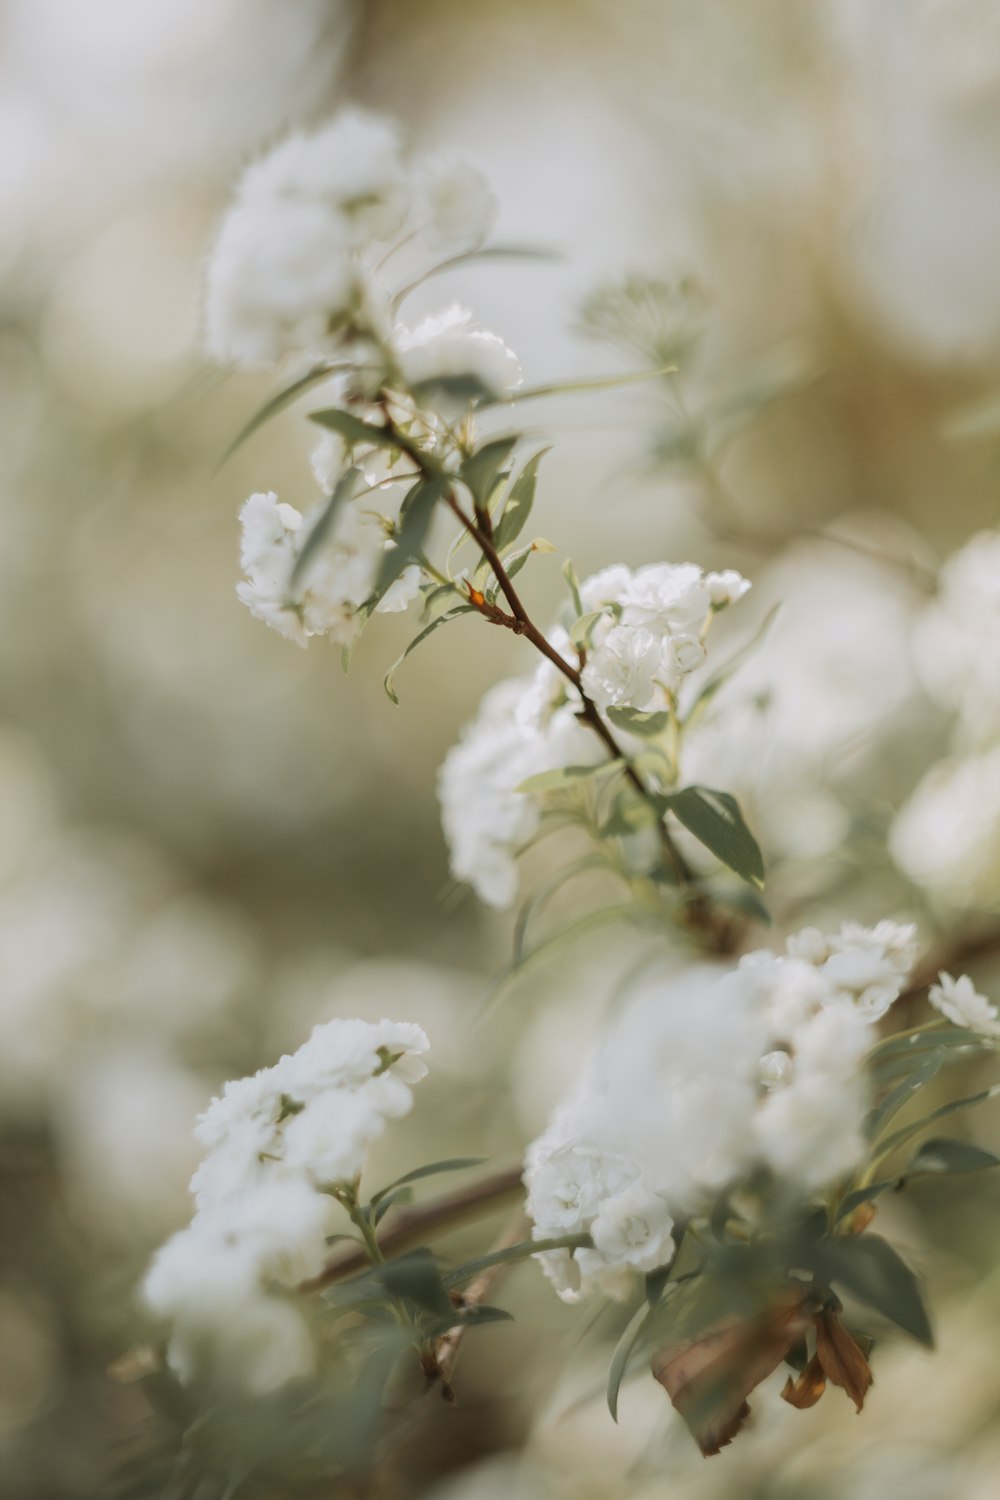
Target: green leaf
(870, 1269)
(517, 507)
(564, 776)
(598, 383)
(716, 821)
(465, 389)
(480, 471)
(901, 1095)
(451, 614)
(391, 1198)
(343, 492)
(420, 502)
(573, 583)
(483, 1313)
(353, 430)
(433, 1169)
(520, 1251)
(941, 1156)
(623, 1353)
(579, 631)
(277, 403)
(907, 1132)
(636, 721)
(416, 1277)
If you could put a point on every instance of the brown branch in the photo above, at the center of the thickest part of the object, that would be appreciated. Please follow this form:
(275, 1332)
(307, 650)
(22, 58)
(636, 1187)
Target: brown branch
(448, 1347)
(411, 1225)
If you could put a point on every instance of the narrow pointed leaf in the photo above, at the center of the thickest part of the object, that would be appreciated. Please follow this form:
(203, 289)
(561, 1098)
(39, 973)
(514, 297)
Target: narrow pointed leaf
(519, 502)
(433, 1169)
(623, 1353)
(451, 614)
(278, 403)
(636, 721)
(867, 1267)
(343, 492)
(416, 523)
(939, 1157)
(716, 821)
(353, 430)
(480, 471)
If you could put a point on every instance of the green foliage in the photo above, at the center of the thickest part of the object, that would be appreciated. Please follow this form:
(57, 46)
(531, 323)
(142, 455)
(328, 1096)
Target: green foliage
(444, 619)
(636, 721)
(716, 821)
(481, 471)
(870, 1270)
(517, 506)
(417, 514)
(432, 1169)
(343, 493)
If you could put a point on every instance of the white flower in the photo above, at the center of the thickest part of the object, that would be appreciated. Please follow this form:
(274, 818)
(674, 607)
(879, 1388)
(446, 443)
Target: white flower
(515, 735)
(277, 282)
(961, 1002)
(347, 1054)
(667, 598)
(281, 1224)
(199, 1277)
(262, 1349)
(957, 636)
(868, 965)
(451, 360)
(624, 669)
(337, 580)
(254, 1102)
(329, 1138)
(726, 587)
(352, 166)
(947, 836)
(458, 203)
(634, 1228)
(683, 654)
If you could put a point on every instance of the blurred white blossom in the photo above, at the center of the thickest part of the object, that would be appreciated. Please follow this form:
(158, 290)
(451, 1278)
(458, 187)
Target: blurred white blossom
(708, 1074)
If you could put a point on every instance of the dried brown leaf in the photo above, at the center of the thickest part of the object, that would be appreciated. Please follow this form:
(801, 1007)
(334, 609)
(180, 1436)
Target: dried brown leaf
(807, 1389)
(709, 1378)
(841, 1357)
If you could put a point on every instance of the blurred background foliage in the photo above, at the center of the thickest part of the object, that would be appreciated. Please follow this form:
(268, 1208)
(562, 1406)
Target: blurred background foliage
(209, 841)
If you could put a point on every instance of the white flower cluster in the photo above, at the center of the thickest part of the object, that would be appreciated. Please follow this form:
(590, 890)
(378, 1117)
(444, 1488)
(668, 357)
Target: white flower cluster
(276, 1144)
(647, 635)
(337, 580)
(963, 1005)
(708, 1076)
(947, 836)
(302, 262)
(650, 634)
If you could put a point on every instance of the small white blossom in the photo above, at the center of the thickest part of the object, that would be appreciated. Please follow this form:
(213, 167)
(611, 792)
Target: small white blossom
(961, 1002)
(624, 669)
(273, 1140)
(634, 1228)
(458, 203)
(946, 838)
(347, 1054)
(352, 166)
(447, 352)
(957, 636)
(278, 283)
(726, 587)
(337, 580)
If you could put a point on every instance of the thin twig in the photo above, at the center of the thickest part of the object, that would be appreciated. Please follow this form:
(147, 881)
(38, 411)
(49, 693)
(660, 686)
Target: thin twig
(448, 1346)
(411, 1225)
